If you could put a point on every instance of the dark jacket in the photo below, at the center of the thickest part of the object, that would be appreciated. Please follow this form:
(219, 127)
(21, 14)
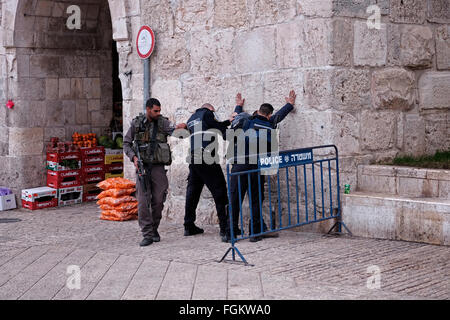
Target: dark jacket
(256, 122)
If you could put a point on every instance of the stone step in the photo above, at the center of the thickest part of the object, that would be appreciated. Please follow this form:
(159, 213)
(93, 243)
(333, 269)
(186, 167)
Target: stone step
(404, 181)
(376, 215)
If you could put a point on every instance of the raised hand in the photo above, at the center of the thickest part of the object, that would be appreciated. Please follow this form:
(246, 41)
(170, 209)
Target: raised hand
(239, 100)
(291, 98)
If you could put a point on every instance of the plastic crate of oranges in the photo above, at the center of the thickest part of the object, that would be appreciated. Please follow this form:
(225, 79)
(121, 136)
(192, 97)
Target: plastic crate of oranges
(84, 140)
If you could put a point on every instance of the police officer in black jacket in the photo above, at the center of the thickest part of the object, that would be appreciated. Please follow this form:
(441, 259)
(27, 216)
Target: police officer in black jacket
(204, 167)
(262, 120)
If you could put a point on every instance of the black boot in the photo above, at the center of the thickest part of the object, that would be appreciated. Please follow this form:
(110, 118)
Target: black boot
(146, 242)
(192, 230)
(156, 237)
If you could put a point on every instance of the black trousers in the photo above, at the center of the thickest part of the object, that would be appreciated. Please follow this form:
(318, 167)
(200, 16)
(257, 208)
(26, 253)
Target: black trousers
(256, 214)
(212, 176)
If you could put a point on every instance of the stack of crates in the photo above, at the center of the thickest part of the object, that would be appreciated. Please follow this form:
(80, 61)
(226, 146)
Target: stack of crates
(113, 163)
(92, 171)
(64, 175)
(39, 198)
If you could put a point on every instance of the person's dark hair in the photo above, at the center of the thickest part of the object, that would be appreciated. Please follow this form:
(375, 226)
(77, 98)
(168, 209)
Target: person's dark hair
(266, 109)
(152, 102)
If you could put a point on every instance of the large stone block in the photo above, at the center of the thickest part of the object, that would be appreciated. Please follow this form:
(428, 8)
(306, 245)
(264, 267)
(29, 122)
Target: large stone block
(377, 130)
(168, 92)
(197, 91)
(434, 90)
(24, 172)
(255, 50)
(303, 43)
(171, 57)
(265, 12)
(346, 129)
(370, 45)
(341, 42)
(64, 88)
(252, 88)
(351, 89)
(393, 88)
(73, 66)
(26, 141)
(319, 8)
(54, 113)
(211, 52)
(69, 110)
(230, 13)
(436, 133)
(278, 84)
(417, 47)
(443, 47)
(81, 112)
(414, 135)
(318, 89)
(439, 11)
(91, 88)
(357, 8)
(193, 14)
(412, 11)
(31, 88)
(51, 88)
(158, 14)
(303, 129)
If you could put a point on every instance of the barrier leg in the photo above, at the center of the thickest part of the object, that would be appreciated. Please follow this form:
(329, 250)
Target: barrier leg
(234, 250)
(339, 224)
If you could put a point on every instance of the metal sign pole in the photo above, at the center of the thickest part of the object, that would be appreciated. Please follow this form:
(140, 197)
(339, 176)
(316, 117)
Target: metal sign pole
(146, 81)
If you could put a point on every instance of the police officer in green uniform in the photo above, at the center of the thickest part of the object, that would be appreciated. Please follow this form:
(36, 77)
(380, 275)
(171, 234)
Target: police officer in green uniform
(149, 132)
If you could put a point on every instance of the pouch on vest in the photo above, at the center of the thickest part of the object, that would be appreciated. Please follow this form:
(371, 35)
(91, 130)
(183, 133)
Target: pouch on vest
(162, 155)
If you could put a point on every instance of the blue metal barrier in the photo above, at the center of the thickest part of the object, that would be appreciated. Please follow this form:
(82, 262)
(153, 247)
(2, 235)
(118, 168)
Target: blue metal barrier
(280, 164)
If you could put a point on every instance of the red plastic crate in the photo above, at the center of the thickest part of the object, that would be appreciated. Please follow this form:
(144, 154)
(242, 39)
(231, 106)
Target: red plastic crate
(86, 152)
(57, 157)
(93, 177)
(88, 169)
(93, 159)
(90, 192)
(114, 168)
(63, 179)
(35, 205)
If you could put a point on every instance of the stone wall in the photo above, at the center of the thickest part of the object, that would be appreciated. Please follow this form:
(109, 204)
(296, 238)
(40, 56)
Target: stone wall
(375, 93)
(59, 79)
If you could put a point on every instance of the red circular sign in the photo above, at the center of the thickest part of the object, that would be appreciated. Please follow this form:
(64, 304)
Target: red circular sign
(145, 42)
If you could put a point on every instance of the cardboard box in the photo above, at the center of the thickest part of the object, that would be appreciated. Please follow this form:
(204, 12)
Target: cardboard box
(39, 198)
(63, 179)
(7, 202)
(69, 196)
(90, 192)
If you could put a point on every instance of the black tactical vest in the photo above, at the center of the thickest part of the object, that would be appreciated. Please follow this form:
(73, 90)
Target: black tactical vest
(200, 137)
(143, 136)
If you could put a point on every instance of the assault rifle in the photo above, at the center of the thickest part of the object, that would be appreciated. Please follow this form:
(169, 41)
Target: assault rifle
(142, 173)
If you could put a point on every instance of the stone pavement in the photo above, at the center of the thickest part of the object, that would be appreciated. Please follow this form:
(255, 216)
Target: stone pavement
(36, 251)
